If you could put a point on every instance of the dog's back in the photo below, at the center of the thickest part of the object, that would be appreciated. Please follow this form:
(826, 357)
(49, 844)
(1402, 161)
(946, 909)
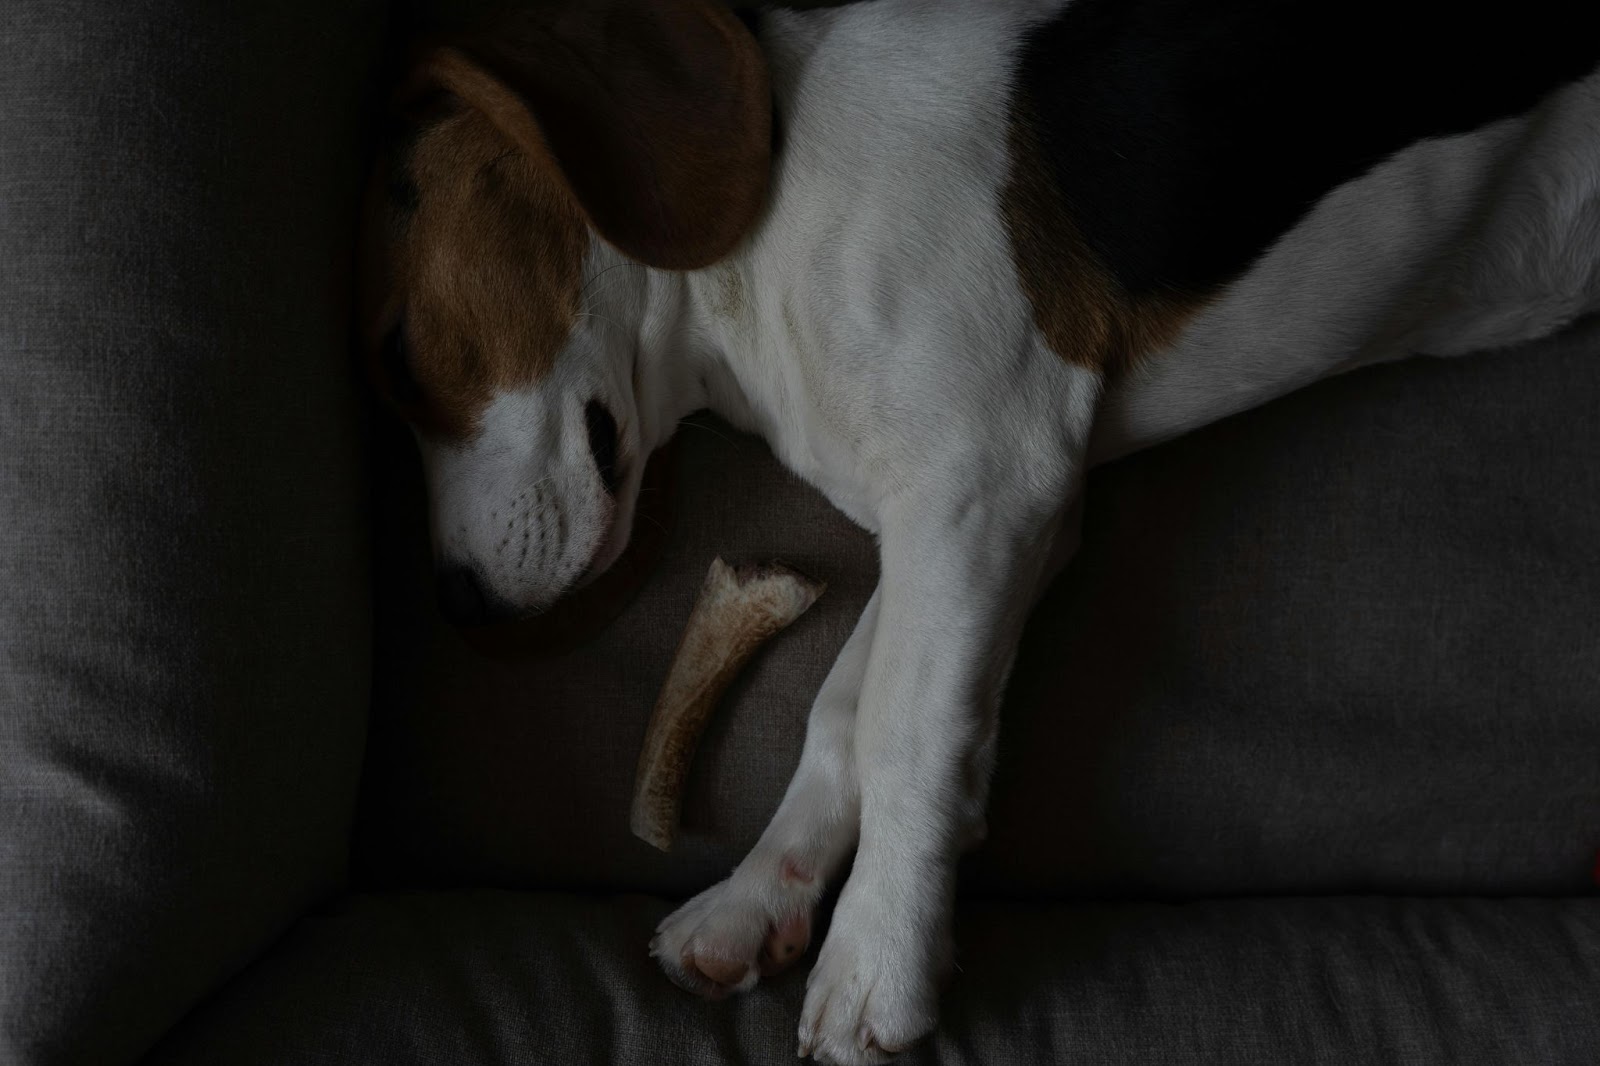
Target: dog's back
(1338, 187)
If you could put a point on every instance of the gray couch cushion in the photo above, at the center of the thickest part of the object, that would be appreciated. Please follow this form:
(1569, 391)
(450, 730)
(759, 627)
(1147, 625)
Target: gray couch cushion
(184, 624)
(496, 979)
(1346, 642)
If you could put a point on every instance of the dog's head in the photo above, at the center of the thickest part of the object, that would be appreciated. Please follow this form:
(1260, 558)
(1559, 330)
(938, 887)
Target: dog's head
(531, 173)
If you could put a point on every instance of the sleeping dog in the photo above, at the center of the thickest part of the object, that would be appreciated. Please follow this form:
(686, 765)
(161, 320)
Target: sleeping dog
(943, 255)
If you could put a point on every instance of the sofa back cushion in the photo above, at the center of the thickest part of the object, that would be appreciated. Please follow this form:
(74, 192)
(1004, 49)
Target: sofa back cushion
(184, 586)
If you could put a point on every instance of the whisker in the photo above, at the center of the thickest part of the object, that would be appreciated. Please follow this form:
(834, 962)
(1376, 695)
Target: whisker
(600, 274)
(534, 486)
(708, 429)
(590, 314)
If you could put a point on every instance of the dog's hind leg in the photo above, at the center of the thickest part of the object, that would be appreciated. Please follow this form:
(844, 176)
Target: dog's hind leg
(758, 921)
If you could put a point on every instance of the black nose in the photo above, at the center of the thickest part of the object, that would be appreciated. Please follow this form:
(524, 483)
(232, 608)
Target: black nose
(603, 444)
(462, 599)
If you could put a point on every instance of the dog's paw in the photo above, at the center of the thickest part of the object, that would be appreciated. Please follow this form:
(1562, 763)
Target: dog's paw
(731, 935)
(874, 990)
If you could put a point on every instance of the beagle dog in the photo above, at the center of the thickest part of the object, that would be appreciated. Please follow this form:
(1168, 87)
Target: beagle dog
(943, 255)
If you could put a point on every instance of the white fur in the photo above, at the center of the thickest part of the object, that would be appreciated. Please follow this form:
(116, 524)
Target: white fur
(873, 331)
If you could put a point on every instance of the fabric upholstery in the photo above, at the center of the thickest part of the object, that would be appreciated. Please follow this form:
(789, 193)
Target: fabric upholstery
(184, 578)
(502, 979)
(1346, 642)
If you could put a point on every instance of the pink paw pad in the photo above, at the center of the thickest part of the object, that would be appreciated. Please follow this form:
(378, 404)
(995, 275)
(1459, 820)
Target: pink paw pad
(786, 942)
(723, 973)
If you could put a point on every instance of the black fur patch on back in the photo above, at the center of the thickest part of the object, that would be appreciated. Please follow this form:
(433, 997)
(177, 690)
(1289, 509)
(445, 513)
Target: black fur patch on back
(1185, 136)
(751, 17)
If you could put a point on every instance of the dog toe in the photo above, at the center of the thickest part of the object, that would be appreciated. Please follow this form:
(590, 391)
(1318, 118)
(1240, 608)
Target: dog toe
(785, 943)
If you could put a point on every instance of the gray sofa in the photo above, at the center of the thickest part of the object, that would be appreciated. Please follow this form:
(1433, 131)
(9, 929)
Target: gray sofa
(1301, 762)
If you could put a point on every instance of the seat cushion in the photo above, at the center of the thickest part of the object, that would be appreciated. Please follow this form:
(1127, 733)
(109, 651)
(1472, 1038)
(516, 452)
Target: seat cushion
(1343, 643)
(184, 597)
(496, 979)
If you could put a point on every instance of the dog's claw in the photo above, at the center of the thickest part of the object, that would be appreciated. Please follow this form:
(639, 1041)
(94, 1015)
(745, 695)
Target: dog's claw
(808, 1043)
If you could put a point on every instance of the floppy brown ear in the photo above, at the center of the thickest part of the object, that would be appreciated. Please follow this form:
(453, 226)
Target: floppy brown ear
(657, 112)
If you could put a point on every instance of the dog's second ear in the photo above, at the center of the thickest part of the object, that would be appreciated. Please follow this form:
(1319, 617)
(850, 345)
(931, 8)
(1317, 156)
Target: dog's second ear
(658, 114)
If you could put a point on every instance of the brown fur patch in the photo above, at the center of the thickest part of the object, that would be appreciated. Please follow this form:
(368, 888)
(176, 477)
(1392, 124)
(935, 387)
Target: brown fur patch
(645, 122)
(1086, 317)
(729, 302)
(487, 269)
(659, 112)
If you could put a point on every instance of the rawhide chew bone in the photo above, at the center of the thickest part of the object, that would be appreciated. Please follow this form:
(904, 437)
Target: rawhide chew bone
(738, 609)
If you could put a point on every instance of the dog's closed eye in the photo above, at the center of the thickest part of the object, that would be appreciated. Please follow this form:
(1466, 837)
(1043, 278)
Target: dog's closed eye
(394, 362)
(603, 444)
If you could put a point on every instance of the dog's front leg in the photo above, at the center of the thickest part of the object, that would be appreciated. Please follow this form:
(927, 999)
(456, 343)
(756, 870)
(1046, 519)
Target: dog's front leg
(758, 921)
(958, 579)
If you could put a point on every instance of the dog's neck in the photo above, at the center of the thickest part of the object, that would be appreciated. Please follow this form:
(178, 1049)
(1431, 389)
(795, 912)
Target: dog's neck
(697, 348)
(713, 339)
